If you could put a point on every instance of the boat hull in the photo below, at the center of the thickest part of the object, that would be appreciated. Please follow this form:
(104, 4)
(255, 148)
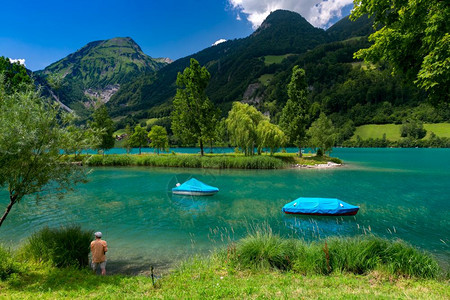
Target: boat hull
(193, 193)
(320, 207)
(351, 213)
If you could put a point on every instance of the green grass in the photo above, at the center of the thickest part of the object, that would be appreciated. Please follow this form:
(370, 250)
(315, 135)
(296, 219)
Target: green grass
(393, 131)
(275, 59)
(266, 78)
(256, 267)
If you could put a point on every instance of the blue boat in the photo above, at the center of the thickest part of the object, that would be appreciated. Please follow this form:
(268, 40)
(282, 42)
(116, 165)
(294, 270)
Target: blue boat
(320, 207)
(194, 187)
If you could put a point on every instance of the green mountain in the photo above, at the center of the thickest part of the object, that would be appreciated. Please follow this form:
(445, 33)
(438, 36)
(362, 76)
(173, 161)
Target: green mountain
(97, 71)
(234, 65)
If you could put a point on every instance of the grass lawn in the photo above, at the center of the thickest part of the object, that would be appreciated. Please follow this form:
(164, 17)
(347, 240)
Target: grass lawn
(393, 131)
(265, 79)
(200, 280)
(274, 59)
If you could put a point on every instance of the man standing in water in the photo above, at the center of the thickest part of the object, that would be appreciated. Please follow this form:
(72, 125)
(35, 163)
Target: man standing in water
(98, 250)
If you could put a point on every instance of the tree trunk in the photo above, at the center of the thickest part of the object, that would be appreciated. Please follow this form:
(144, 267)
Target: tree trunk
(201, 147)
(300, 151)
(210, 145)
(139, 150)
(12, 200)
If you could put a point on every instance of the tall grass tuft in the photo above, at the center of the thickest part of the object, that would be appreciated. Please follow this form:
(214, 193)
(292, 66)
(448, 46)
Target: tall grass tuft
(7, 264)
(63, 247)
(263, 249)
(357, 255)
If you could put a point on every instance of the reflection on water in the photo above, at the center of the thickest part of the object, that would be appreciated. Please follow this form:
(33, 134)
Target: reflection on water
(402, 193)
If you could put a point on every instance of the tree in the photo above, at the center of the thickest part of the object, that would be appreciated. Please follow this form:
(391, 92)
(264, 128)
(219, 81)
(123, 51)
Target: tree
(104, 125)
(322, 134)
(158, 138)
(127, 142)
(413, 129)
(194, 116)
(139, 137)
(269, 136)
(14, 75)
(242, 121)
(413, 36)
(34, 139)
(294, 116)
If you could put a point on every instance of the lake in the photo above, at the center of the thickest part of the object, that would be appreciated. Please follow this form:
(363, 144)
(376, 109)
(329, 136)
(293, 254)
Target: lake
(402, 193)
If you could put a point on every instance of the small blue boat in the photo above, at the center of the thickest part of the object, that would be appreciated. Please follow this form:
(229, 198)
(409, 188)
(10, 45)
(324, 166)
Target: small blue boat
(194, 187)
(320, 207)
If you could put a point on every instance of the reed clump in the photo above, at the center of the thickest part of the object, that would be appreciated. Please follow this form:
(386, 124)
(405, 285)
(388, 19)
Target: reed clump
(356, 255)
(61, 247)
(189, 161)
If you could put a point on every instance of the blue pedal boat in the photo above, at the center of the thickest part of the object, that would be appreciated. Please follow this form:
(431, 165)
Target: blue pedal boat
(194, 187)
(320, 207)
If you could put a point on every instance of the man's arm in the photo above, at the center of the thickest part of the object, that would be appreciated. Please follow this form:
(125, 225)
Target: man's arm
(105, 247)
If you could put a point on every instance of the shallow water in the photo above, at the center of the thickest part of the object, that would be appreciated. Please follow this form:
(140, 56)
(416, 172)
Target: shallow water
(403, 193)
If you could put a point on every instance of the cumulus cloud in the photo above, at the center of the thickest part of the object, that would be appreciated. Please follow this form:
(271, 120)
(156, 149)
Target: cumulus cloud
(19, 60)
(219, 42)
(317, 12)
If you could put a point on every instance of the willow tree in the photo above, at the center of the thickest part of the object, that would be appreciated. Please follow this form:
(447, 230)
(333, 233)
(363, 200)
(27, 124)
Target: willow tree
(242, 123)
(295, 114)
(269, 136)
(194, 116)
(35, 136)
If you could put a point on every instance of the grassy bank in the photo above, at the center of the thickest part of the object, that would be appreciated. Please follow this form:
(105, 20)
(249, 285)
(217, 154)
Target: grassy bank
(392, 131)
(217, 161)
(261, 265)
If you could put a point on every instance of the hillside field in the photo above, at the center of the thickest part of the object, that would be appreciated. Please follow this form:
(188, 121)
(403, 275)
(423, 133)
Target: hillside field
(393, 131)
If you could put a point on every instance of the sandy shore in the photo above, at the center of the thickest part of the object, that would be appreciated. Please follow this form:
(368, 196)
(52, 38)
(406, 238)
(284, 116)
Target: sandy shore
(318, 166)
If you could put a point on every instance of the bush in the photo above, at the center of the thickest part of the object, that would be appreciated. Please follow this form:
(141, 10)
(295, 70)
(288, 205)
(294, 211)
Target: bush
(263, 249)
(7, 264)
(63, 247)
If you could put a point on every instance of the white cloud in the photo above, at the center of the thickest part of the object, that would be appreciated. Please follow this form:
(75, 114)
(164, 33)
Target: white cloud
(219, 42)
(19, 60)
(317, 12)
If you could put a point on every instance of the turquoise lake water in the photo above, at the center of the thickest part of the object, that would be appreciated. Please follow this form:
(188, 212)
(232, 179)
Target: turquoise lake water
(403, 193)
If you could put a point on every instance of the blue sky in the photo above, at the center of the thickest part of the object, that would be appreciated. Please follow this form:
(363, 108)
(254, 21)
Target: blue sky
(42, 32)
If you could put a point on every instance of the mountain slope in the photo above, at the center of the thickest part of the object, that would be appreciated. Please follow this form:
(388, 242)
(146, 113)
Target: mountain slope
(233, 65)
(96, 71)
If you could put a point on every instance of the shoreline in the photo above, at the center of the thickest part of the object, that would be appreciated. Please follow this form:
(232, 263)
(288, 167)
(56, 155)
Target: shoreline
(328, 165)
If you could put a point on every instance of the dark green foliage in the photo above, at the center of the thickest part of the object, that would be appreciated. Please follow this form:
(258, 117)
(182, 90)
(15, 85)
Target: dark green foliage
(295, 116)
(63, 247)
(233, 65)
(413, 37)
(433, 142)
(413, 129)
(7, 264)
(194, 117)
(14, 75)
(104, 126)
(139, 138)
